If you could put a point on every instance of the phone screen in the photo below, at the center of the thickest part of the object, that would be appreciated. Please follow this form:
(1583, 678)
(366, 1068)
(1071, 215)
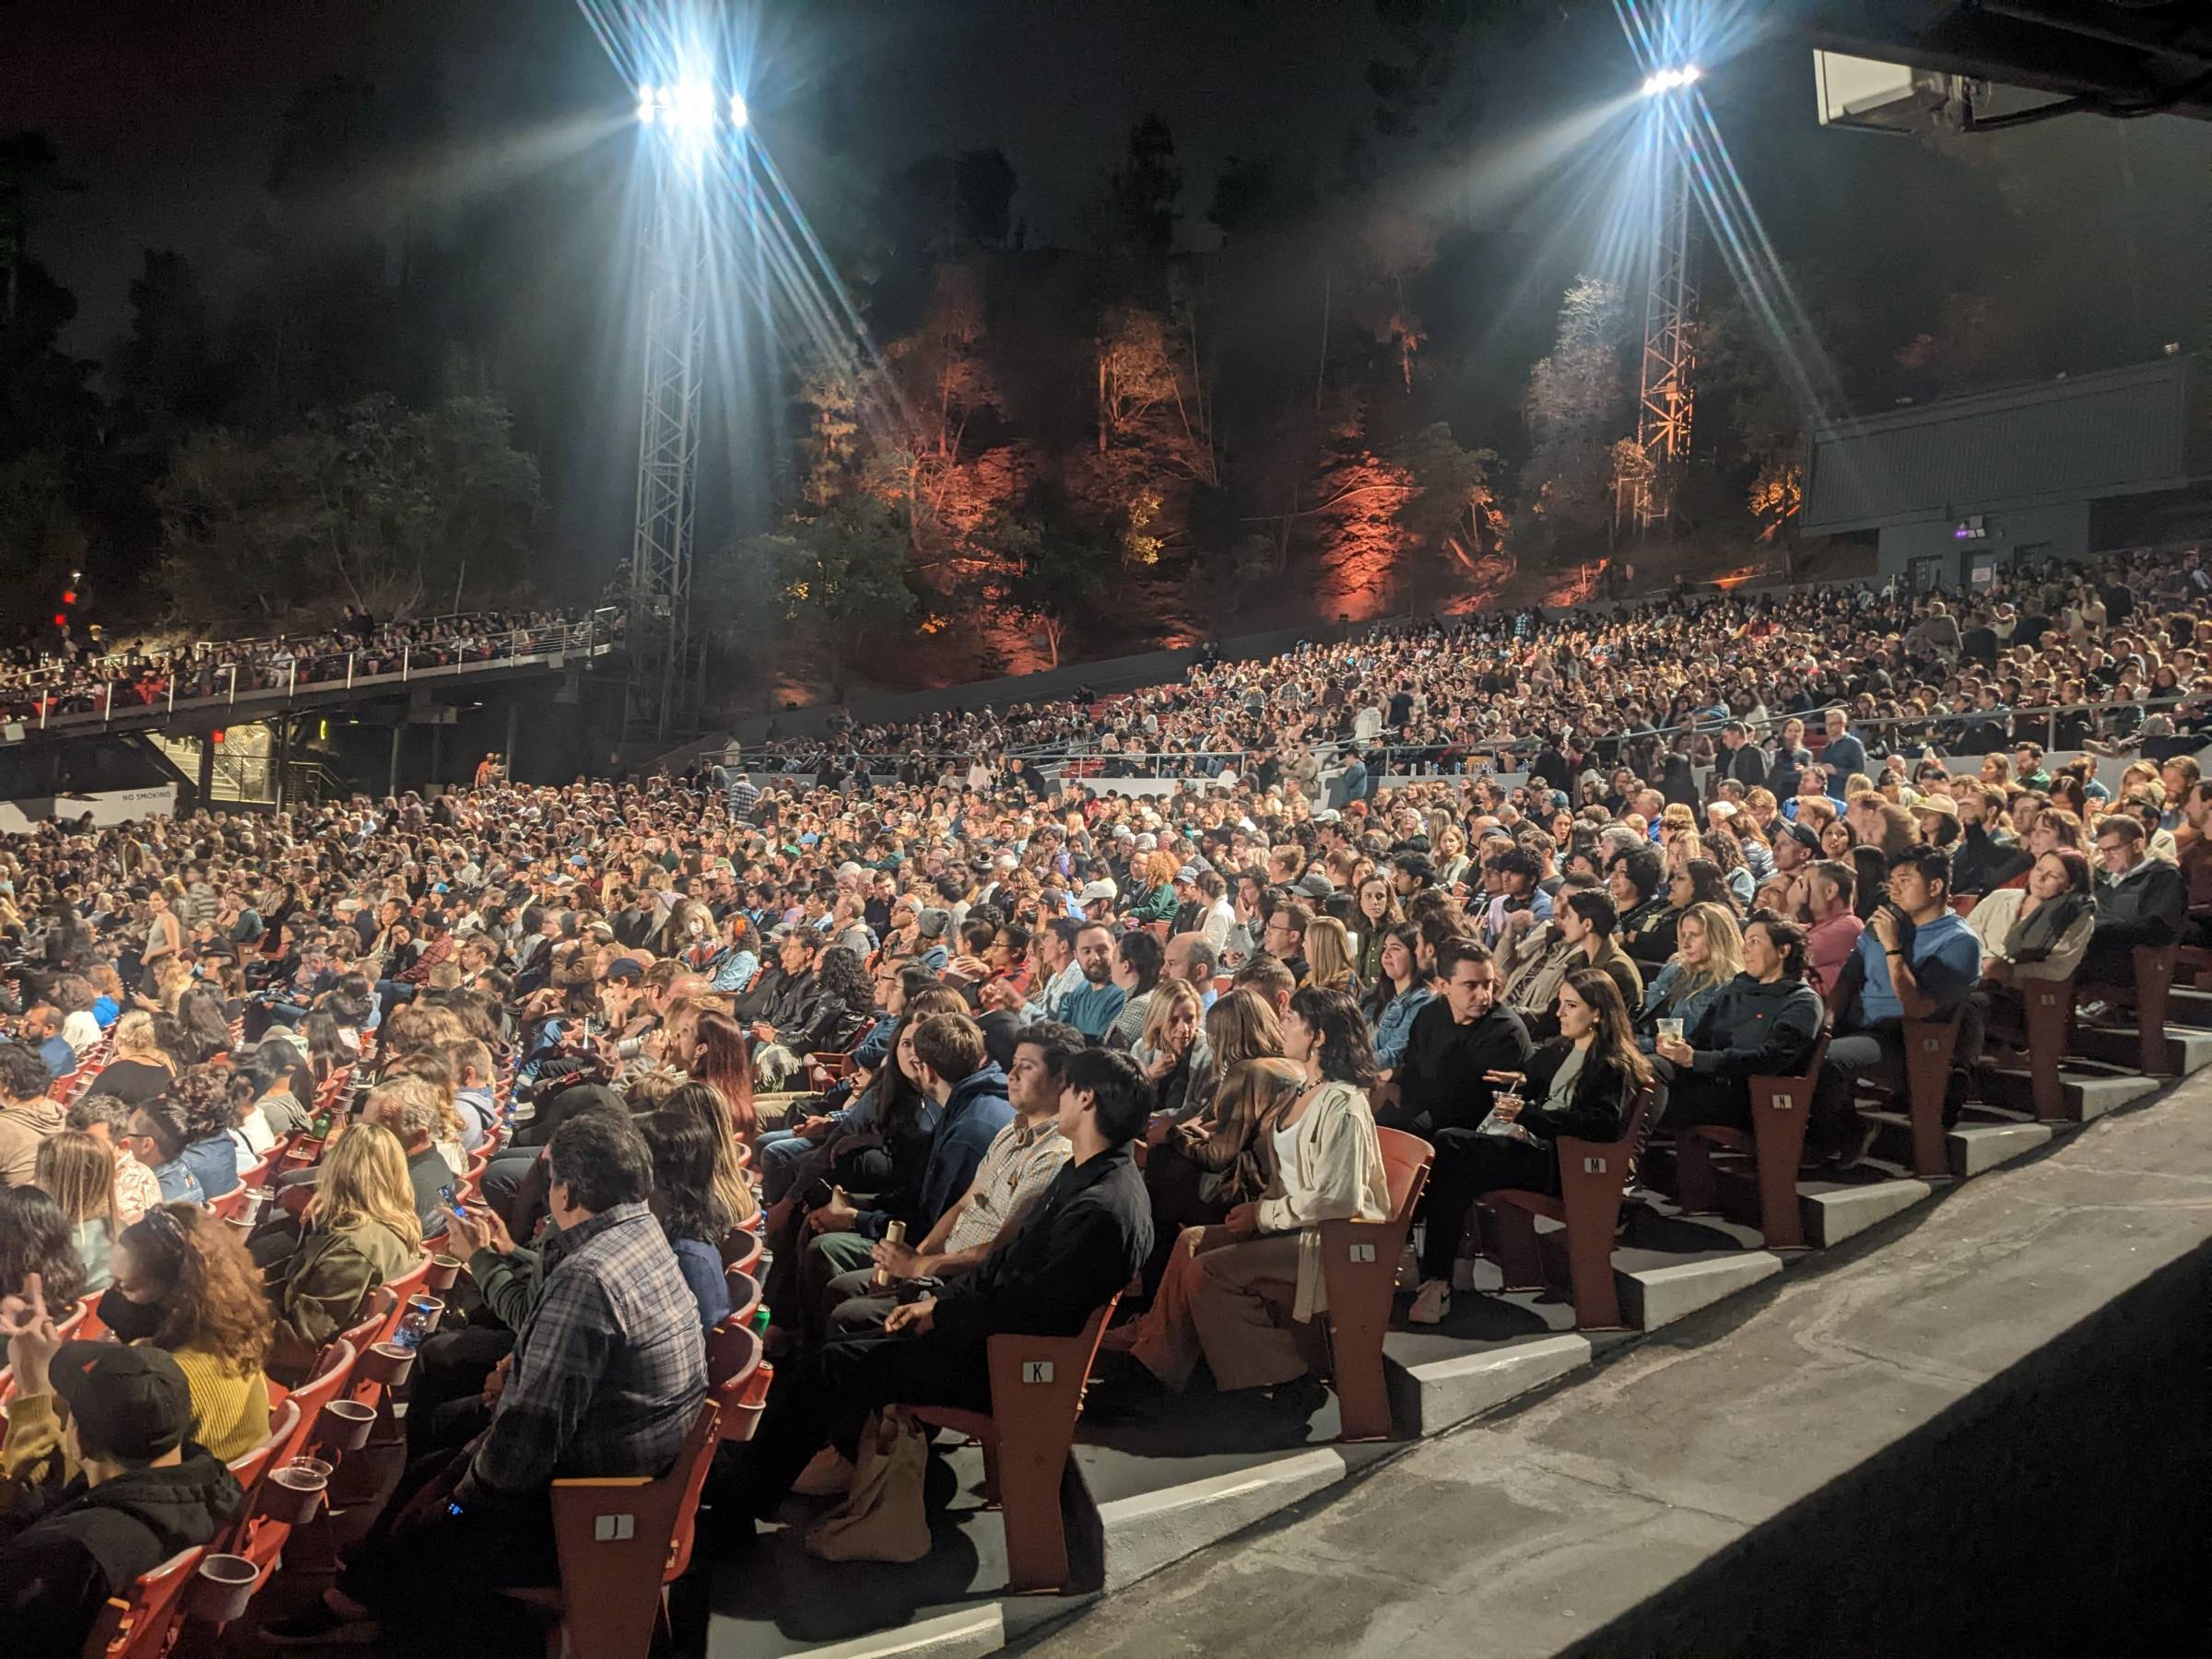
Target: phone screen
(447, 1196)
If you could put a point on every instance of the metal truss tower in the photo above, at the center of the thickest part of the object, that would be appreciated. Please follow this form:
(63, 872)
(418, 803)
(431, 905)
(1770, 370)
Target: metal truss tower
(660, 562)
(1645, 482)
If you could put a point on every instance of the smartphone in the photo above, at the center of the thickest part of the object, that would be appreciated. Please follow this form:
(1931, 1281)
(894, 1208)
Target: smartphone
(447, 1196)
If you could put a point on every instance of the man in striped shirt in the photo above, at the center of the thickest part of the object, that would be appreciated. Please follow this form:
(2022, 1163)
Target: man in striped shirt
(1018, 1164)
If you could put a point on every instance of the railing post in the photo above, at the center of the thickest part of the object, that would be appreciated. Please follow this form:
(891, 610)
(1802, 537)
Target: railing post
(291, 678)
(349, 656)
(233, 667)
(407, 654)
(172, 687)
(107, 711)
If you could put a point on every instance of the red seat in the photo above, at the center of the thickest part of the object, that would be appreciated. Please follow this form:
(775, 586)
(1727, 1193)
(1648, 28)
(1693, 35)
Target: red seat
(741, 1250)
(745, 1295)
(2049, 1020)
(232, 1205)
(1036, 1386)
(1592, 1177)
(621, 1542)
(250, 1468)
(738, 1376)
(1780, 1110)
(141, 1625)
(2154, 966)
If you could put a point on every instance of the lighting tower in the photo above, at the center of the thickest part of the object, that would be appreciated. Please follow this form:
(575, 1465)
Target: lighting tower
(1644, 481)
(684, 121)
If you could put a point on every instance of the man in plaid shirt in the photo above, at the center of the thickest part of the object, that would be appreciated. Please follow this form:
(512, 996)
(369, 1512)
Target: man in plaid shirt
(1018, 1164)
(608, 1376)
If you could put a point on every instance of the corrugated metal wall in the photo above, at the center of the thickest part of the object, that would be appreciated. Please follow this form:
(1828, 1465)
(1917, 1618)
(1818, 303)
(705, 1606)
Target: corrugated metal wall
(2114, 434)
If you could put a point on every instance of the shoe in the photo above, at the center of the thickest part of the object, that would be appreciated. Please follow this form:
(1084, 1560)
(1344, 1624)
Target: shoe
(830, 1475)
(1297, 1399)
(317, 1626)
(1431, 1303)
(1851, 1157)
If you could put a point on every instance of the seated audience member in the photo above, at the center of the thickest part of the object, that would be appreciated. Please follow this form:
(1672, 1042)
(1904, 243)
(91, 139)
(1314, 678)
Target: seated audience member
(1019, 1163)
(1762, 1023)
(1582, 931)
(1833, 925)
(704, 1104)
(1636, 881)
(1324, 1164)
(156, 1139)
(2041, 931)
(970, 1090)
(1709, 952)
(1398, 994)
(79, 1172)
(140, 1069)
(1093, 1007)
(1583, 1084)
(203, 1097)
(27, 1114)
(108, 1121)
(2140, 900)
(140, 1489)
(359, 1231)
(1164, 1051)
(37, 1242)
(1916, 960)
(413, 1110)
(607, 1376)
(1086, 1235)
(691, 1210)
(1455, 1042)
(1139, 958)
(828, 1017)
(184, 1283)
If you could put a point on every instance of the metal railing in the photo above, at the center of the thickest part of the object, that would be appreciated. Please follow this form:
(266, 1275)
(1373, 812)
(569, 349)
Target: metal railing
(280, 676)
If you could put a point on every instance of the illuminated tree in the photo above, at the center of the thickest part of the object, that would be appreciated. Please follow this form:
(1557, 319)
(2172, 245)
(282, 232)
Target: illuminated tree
(844, 571)
(1578, 404)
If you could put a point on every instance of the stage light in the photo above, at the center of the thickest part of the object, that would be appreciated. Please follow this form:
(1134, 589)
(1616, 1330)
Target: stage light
(739, 114)
(1667, 81)
(646, 111)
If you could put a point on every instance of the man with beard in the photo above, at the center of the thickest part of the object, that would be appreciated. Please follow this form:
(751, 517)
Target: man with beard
(1093, 1007)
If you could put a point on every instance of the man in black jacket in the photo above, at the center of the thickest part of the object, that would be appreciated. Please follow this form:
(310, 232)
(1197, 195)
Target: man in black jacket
(143, 1491)
(1462, 1034)
(1085, 1238)
(2140, 900)
(1745, 761)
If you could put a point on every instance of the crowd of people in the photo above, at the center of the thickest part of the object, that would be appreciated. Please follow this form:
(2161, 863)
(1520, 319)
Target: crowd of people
(2061, 654)
(1073, 1042)
(84, 673)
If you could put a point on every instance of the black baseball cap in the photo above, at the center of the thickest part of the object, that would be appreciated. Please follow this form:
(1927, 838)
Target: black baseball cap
(128, 1403)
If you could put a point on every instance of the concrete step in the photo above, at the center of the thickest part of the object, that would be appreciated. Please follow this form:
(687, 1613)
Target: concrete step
(1430, 1395)
(1970, 1148)
(1658, 1287)
(1834, 1210)
(2089, 1091)
(2187, 1050)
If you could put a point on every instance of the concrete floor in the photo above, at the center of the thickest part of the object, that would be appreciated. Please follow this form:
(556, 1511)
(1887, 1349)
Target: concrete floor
(1945, 1436)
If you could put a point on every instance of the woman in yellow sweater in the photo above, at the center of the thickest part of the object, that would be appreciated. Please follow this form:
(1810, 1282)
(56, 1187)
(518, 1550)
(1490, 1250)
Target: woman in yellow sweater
(184, 1283)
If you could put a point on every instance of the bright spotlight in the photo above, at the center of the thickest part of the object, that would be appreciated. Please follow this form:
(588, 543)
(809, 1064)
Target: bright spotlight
(1667, 81)
(739, 114)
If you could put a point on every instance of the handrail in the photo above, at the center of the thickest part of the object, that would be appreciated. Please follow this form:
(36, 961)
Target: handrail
(220, 684)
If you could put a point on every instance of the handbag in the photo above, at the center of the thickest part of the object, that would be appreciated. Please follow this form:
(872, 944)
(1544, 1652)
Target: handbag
(881, 1518)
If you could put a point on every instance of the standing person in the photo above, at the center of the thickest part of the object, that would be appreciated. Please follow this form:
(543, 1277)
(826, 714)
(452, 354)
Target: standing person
(1582, 1084)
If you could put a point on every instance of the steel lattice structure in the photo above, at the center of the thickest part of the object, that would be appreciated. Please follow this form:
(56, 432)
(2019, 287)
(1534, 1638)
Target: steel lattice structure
(1666, 397)
(660, 562)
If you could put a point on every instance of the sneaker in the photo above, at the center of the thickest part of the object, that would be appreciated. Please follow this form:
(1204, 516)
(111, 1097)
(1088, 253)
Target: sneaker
(1431, 1303)
(830, 1475)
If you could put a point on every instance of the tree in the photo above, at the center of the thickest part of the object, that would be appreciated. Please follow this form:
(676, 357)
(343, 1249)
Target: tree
(164, 367)
(1451, 516)
(1049, 578)
(845, 571)
(41, 539)
(1578, 404)
(1136, 370)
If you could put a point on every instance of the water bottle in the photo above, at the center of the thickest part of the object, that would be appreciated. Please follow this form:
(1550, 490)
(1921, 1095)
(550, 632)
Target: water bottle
(418, 1322)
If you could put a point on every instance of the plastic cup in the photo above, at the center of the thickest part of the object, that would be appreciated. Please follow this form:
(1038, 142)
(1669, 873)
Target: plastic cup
(1671, 1029)
(345, 1425)
(295, 1490)
(224, 1585)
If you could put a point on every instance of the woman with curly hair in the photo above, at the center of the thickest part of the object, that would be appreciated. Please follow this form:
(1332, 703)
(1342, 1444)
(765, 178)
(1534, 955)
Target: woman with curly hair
(35, 1240)
(211, 1151)
(185, 1284)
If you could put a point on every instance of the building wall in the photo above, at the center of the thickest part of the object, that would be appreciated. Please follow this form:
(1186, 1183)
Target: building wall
(2059, 531)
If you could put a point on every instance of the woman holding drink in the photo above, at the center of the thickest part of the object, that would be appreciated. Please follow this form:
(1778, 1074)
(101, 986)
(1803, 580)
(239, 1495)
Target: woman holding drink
(1582, 1084)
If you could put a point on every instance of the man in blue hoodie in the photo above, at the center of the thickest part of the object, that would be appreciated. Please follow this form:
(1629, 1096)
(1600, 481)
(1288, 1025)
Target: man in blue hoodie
(970, 1093)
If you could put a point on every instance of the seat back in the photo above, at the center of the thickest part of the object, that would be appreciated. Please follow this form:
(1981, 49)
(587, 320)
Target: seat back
(619, 1541)
(1359, 1268)
(741, 1250)
(232, 1205)
(745, 1296)
(139, 1626)
(1405, 1160)
(738, 1377)
(333, 1366)
(250, 1468)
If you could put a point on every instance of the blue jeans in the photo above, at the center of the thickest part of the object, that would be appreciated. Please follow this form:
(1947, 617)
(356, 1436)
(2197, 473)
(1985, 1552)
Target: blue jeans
(778, 1152)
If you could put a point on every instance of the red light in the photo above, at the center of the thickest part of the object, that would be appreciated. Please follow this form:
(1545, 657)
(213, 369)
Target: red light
(216, 736)
(68, 595)
(60, 621)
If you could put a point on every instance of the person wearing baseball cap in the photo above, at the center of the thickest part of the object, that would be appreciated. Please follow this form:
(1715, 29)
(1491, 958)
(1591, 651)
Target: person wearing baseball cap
(137, 1488)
